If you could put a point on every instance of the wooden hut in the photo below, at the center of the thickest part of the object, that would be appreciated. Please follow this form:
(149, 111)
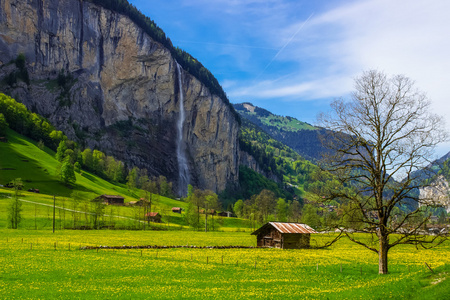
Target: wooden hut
(284, 235)
(153, 217)
(176, 210)
(112, 199)
(227, 214)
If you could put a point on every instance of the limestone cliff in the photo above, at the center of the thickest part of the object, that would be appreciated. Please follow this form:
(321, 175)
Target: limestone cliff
(437, 193)
(122, 91)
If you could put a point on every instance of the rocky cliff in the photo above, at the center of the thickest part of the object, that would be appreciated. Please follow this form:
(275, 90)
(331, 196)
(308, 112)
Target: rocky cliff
(437, 194)
(120, 90)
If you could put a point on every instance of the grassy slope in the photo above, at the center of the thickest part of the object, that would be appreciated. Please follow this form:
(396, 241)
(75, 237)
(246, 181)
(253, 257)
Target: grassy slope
(21, 158)
(287, 124)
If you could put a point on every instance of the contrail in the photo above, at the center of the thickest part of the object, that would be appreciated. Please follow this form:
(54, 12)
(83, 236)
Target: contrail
(284, 46)
(223, 44)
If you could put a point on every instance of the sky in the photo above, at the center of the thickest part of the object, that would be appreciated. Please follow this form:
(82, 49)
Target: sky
(293, 57)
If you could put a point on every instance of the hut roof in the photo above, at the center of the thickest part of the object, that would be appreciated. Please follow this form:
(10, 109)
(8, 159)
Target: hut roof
(151, 214)
(112, 196)
(283, 227)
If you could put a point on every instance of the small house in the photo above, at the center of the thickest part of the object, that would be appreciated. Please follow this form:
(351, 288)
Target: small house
(284, 235)
(176, 210)
(112, 199)
(153, 217)
(227, 214)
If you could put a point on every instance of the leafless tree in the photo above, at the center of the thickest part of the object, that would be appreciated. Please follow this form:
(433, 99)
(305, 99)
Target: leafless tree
(379, 137)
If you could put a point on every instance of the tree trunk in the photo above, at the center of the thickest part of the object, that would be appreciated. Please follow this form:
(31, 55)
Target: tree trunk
(383, 254)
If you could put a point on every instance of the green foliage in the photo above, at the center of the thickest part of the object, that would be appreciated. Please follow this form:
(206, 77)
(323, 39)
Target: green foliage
(281, 210)
(252, 183)
(132, 178)
(77, 167)
(15, 208)
(265, 203)
(41, 145)
(239, 208)
(294, 212)
(310, 216)
(97, 210)
(68, 173)
(27, 123)
(61, 150)
(3, 124)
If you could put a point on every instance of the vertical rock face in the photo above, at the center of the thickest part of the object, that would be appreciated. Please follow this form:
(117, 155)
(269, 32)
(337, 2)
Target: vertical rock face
(123, 95)
(436, 194)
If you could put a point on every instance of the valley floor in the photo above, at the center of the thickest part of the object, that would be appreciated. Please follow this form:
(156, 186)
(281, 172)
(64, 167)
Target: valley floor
(42, 264)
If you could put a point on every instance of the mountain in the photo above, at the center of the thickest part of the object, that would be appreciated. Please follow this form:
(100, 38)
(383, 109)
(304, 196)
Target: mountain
(437, 177)
(109, 85)
(300, 136)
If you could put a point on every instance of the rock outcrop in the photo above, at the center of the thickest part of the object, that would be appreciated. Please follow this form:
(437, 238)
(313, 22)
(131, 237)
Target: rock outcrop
(436, 194)
(121, 89)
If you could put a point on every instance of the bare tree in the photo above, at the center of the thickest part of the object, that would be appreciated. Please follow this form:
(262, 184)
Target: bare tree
(382, 134)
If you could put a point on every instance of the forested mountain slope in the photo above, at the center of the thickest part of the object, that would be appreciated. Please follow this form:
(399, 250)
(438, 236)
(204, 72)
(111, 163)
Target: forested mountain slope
(300, 136)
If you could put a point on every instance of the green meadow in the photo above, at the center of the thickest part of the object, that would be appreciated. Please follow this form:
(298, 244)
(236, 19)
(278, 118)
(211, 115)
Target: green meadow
(39, 264)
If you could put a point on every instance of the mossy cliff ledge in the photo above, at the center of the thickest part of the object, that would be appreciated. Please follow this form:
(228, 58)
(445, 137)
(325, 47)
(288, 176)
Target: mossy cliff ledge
(101, 79)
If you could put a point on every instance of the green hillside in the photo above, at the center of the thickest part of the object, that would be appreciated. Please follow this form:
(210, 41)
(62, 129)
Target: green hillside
(300, 136)
(263, 118)
(295, 173)
(22, 158)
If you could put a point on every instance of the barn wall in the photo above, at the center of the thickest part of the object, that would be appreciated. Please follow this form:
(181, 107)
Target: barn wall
(296, 241)
(269, 238)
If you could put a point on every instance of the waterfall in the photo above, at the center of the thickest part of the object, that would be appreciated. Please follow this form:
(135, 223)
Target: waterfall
(183, 169)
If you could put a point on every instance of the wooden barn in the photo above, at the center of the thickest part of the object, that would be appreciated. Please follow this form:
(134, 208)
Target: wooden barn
(227, 214)
(112, 199)
(284, 235)
(153, 217)
(176, 210)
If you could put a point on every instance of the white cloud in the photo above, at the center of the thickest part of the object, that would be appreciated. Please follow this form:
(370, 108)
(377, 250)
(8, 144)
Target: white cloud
(408, 37)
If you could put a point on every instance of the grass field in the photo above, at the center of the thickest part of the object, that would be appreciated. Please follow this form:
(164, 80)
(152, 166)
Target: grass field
(33, 268)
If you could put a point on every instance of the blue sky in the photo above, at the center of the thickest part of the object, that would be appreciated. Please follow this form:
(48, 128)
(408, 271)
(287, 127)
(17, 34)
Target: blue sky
(294, 57)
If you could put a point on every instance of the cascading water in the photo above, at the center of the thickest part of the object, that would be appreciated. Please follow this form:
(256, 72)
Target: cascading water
(183, 169)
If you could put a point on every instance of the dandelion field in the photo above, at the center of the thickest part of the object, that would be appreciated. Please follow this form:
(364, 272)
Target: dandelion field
(43, 265)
